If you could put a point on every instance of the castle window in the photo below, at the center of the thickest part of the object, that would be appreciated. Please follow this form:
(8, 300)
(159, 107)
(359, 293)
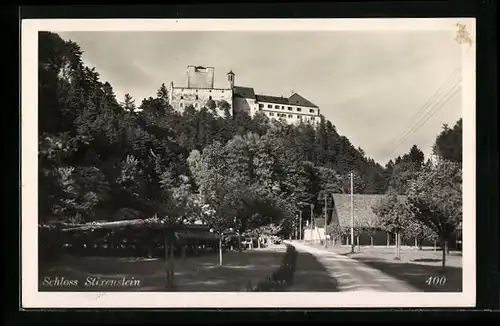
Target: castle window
(196, 96)
(271, 114)
(210, 97)
(196, 105)
(182, 104)
(290, 116)
(276, 106)
(182, 97)
(299, 109)
(289, 108)
(282, 107)
(261, 106)
(269, 106)
(311, 110)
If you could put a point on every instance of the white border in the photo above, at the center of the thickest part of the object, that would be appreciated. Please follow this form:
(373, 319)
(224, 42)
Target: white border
(31, 298)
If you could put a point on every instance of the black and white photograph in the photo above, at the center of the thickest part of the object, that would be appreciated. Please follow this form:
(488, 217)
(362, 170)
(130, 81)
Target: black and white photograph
(227, 163)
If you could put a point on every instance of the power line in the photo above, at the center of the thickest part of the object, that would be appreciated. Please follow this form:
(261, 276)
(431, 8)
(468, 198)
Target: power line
(424, 107)
(410, 131)
(426, 118)
(430, 114)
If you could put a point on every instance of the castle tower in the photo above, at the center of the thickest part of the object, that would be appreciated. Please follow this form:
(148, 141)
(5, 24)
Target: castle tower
(230, 78)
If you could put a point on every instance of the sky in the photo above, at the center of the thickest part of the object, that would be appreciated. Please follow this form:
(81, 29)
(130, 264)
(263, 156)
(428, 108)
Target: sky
(370, 85)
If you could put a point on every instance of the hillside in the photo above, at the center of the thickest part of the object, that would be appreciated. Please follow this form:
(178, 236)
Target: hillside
(102, 158)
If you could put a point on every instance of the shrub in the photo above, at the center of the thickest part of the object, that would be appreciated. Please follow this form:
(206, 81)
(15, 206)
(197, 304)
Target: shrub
(280, 278)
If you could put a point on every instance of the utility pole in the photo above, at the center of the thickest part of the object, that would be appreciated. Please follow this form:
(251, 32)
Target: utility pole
(352, 213)
(300, 225)
(312, 224)
(326, 217)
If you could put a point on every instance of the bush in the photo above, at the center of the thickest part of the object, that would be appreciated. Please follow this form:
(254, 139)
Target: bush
(282, 277)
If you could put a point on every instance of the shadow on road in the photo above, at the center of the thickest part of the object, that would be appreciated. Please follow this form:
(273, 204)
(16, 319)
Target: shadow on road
(423, 277)
(311, 276)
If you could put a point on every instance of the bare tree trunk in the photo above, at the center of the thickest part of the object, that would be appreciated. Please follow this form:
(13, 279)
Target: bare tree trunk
(435, 245)
(172, 264)
(371, 241)
(183, 250)
(398, 244)
(258, 241)
(220, 251)
(169, 262)
(359, 245)
(416, 242)
(444, 245)
(388, 239)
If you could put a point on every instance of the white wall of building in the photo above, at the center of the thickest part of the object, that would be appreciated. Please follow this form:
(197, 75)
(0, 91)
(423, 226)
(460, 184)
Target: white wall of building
(316, 234)
(290, 113)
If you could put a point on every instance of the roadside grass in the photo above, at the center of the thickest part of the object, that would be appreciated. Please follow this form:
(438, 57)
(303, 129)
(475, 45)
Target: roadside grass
(198, 274)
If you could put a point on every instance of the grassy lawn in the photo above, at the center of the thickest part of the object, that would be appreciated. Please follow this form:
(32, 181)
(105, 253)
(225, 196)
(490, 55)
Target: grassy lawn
(199, 274)
(415, 266)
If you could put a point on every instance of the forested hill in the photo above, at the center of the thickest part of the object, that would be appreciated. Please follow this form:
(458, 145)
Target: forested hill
(103, 156)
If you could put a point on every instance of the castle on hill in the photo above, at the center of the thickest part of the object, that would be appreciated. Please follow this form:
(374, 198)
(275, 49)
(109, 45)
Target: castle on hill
(200, 89)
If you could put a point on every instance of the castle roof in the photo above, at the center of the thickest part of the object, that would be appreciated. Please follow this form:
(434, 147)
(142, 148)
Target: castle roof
(245, 92)
(272, 99)
(295, 99)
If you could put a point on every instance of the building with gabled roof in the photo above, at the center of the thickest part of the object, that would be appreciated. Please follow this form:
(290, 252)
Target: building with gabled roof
(200, 89)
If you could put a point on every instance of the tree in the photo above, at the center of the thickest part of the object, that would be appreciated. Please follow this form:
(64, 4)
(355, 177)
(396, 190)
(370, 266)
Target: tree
(129, 103)
(418, 231)
(402, 175)
(162, 94)
(211, 106)
(225, 107)
(448, 144)
(394, 215)
(435, 199)
(416, 155)
(221, 193)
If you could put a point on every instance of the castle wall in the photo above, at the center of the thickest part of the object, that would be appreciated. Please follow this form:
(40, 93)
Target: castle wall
(247, 105)
(182, 97)
(200, 77)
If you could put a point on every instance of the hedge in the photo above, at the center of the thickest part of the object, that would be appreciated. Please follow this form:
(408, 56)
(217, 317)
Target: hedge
(282, 277)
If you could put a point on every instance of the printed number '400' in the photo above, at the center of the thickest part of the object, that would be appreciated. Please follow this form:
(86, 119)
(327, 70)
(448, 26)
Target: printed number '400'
(435, 280)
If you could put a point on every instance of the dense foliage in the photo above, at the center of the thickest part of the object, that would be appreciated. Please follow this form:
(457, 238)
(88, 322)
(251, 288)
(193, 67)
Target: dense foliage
(103, 159)
(449, 143)
(424, 201)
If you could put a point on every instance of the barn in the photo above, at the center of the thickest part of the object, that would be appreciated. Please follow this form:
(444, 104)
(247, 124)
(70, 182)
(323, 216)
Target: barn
(366, 230)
